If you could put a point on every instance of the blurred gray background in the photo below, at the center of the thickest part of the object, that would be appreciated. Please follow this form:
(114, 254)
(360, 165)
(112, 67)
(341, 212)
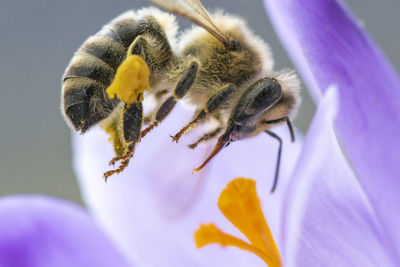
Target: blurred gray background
(39, 37)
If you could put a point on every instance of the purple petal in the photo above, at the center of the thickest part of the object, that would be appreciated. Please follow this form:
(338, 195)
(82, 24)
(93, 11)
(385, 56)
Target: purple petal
(329, 47)
(43, 231)
(153, 208)
(328, 219)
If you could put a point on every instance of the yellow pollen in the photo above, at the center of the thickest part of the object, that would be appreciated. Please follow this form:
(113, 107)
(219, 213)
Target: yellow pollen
(241, 206)
(111, 128)
(131, 79)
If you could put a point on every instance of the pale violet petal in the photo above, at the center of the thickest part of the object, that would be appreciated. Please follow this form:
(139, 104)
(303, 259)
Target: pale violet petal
(328, 220)
(42, 231)
(328, 46)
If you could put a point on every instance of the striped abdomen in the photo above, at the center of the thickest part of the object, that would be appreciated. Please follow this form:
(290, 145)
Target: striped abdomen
(92, 70)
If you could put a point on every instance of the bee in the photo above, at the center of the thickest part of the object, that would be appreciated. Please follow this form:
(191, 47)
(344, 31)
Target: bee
(219, 66)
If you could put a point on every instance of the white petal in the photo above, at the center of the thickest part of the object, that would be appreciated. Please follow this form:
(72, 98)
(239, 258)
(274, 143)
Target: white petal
(153, 208)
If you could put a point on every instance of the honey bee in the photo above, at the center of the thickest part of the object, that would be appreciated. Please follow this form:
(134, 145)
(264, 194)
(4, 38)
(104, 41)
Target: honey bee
(219, 66)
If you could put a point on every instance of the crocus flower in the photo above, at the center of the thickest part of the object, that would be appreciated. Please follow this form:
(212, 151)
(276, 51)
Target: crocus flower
(336, 201)
(337, 208)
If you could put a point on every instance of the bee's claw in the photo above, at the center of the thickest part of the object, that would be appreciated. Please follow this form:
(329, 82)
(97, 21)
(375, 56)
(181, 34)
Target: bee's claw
(192, 146)
(121, 167)
(115, 160)
(125, 161)
(175, 138)
(107, 174)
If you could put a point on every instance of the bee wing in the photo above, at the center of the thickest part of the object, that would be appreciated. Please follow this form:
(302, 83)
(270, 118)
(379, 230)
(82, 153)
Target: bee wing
(194, 11)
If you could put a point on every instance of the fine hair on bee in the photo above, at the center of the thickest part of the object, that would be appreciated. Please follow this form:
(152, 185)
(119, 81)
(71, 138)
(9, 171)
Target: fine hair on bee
(219, 66)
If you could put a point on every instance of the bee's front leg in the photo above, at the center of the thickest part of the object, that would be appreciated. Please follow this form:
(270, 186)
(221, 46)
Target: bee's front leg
(213, 104)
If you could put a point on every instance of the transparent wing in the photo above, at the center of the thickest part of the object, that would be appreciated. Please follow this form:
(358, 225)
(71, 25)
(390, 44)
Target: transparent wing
(194, 11)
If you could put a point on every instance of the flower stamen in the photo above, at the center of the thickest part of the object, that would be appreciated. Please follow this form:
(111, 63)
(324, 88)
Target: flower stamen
(241, 206)
(210, 234)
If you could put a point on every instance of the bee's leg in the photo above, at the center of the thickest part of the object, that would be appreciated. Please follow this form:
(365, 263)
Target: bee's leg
(278, 162)
(162, 112)
(158, 97)
(132, 116)
(180, 91)
(155, 57)
(206, 137)
(140, 47)
(212, 105)
(130, 124)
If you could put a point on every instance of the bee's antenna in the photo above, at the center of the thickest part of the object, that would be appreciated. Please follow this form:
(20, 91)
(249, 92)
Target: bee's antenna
(274, 135)
(290, 126)
(288, 122)
(278, 162)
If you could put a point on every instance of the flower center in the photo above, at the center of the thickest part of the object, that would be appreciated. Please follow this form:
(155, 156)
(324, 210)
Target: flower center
(241, 206)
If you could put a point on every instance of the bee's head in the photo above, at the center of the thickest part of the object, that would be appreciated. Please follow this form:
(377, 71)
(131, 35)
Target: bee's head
(245, 118)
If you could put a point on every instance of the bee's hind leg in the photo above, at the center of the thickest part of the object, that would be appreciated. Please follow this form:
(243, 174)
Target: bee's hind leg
(132, 117)
(124, 162)
(212, 106)
(128, 154)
